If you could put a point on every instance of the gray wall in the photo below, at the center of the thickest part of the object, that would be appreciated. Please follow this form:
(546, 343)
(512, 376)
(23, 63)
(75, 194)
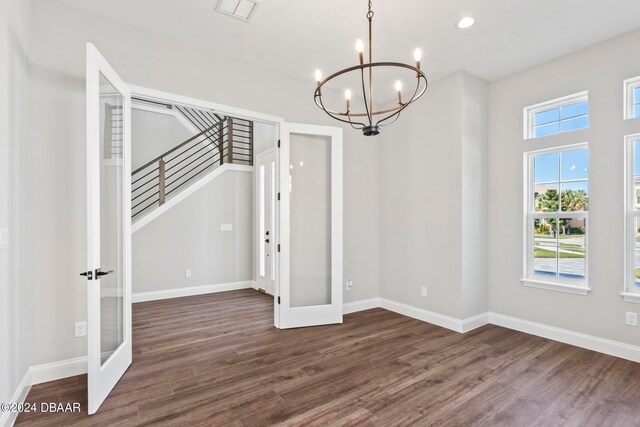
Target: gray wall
(601, 70)
(433, 201)
(188, 236)
(56, 206)
(14, 43)
(153, 134)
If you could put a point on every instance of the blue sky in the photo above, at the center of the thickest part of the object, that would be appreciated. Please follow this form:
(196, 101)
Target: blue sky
(567, 118)
(567, 166)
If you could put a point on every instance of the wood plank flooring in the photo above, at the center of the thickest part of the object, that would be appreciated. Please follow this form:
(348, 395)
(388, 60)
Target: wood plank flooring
(217, 360)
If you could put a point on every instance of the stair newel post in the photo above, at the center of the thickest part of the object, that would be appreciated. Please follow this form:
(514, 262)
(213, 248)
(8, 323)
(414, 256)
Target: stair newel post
(161, 182)
(221, 142)
(230, 133)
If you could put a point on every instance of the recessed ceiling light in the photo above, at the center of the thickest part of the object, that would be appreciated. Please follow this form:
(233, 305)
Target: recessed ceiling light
(465, 22)
(241, 9)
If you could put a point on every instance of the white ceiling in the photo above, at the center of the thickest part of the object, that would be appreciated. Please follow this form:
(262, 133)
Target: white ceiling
(298, 36)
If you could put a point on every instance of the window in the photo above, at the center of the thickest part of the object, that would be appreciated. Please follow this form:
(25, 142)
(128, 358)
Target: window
(557, 116)
(632, 98)
(557, 211)
(632, 224)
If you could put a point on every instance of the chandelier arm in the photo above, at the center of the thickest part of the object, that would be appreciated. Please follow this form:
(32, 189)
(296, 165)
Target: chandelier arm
(397, 116)
(353, 125)
(333, 114)
(405, 105)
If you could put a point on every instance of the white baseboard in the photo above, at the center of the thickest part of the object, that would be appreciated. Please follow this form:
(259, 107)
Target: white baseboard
(432, 317)
(190, 291)
(58, 370)
(601, 345)
(475, 322)
(366, 304)
(19, 396)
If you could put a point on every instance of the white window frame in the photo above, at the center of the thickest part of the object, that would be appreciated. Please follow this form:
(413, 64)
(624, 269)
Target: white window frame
(573, 286)
(629, 86)
(531, 111)
(630, 214)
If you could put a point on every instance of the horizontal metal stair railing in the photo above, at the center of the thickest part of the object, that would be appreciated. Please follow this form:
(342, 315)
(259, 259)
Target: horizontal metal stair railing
(227, 141)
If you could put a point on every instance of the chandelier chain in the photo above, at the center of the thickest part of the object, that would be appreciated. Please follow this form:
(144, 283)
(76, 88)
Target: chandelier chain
(370, 12)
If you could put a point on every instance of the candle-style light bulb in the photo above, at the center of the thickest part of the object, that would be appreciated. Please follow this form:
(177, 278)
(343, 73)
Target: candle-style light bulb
(318, 76)
(347, 96)
(398, 86)
(360, 49)
(417, 55)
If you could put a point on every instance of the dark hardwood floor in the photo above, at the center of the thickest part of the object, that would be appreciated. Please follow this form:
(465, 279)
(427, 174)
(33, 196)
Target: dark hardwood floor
(217, 360)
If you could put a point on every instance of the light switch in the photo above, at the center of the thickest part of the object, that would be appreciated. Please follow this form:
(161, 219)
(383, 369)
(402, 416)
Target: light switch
(226, 227)
(4, 238)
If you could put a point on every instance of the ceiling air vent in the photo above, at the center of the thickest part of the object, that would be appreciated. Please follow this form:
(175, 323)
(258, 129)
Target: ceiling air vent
(241, 9)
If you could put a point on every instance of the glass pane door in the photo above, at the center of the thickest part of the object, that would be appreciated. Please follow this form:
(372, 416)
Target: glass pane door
(310, 182)
(108, 228)
(111, 224)
(310, 219)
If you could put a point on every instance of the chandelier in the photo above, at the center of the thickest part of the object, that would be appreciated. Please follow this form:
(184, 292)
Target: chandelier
(370, 118)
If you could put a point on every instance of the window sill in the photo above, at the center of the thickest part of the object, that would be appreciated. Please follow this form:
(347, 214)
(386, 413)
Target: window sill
(556, 286)
(631, 297)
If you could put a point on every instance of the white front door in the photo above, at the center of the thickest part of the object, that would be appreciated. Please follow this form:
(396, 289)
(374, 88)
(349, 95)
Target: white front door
(310, 239)
(266, 198)
(109, 228)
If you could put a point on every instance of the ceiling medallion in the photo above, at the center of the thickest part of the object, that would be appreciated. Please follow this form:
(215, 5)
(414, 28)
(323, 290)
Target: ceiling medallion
(369, 120)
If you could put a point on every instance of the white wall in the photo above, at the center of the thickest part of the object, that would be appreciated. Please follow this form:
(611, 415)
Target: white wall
(432, 201)
(153, 134)
(188, 236)
(601, 70)
(14, 44)
(56, 185)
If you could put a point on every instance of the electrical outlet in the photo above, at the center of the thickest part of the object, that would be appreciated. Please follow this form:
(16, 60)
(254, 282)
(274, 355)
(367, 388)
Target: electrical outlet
(632, 318)
(423, 291)
(349, 284)
(187, 274)
(81, 329)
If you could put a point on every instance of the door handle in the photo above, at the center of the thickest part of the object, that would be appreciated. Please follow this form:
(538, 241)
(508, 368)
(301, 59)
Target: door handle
(266, 241)
(102, 273)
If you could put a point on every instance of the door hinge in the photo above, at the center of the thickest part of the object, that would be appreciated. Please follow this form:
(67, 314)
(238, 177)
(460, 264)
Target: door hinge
(278, 195)
(278, 300)
(278, 248)
(278, 143)
(88, 275)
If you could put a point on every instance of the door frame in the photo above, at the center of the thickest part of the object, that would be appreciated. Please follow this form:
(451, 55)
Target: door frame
(157, 95)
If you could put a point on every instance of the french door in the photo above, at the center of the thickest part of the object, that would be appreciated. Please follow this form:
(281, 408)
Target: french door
(266, 174)
(109, 227)
(310, 214)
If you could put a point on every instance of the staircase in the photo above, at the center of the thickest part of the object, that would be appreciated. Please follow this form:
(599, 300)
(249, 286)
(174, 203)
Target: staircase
(221, 140)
